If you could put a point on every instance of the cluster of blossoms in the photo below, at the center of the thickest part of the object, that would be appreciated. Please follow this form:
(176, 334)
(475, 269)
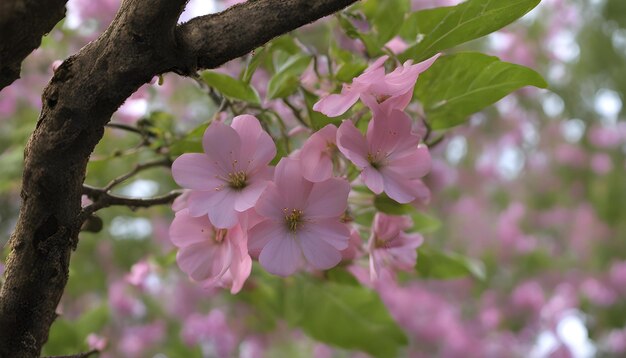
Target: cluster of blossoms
(296, 214)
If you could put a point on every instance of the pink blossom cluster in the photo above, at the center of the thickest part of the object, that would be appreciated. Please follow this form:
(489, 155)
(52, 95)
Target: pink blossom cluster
(237, 207)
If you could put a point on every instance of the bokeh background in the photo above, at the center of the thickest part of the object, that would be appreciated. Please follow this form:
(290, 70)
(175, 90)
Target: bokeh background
(533, 189)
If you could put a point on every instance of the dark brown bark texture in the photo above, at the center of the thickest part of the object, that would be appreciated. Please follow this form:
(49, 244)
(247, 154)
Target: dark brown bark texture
(22, 24)
(142, 41)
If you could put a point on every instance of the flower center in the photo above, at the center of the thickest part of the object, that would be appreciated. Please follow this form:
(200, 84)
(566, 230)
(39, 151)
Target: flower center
(220, 234)
(237, 180)
(293, 218)
(374, 161)
(382, 98)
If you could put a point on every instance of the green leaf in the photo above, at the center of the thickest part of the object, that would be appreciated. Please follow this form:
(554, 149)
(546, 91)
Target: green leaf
(317, 120)
(255, 60)
(458, 85)
(440, 28)
(386, 17)
(190, 143)
(443, 265)
(387, 205)
(346, 316)
(231, 87)
(287, 78)
(424, 223)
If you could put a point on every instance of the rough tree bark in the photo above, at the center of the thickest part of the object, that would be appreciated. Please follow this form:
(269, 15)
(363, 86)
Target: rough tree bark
(142, 41)
(22, 24)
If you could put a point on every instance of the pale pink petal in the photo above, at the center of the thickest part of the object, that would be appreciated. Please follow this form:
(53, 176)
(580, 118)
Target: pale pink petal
(398, 187)
(281, 256)
(270, 204)
(187, 230)
(195, 171)
(314, 157)
(332, 231)
(318, 253)
(375, 265)
(328, 199)
(291, 185)
(337, 104)
(373, 179)
(198, 202)
(204, 261)
(316, 166)
(386, 135)
(221, 208)
(222, 144)
(377, 64)
(260, 234)
(257, 147)
(240, 270)
(247, 197)
(352, 144)
(412, 164)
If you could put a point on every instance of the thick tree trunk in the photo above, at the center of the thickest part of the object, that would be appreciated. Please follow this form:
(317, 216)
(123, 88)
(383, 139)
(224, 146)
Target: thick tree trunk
(87, 88)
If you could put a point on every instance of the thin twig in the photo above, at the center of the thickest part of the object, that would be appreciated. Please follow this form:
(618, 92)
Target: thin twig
(79, 355)
(126, 127)
(296, 112)
(138, 168)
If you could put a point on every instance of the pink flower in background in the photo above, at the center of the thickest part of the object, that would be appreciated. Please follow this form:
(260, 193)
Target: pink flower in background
(300, 217)
(389, 155)
(137, 339)
(232, 173)
(208, 254)
(354, 249)
(213, 329)
(316, 155)
(138, 273)
(390, 246)
(96, 342)
(397, 45)
(381, 92)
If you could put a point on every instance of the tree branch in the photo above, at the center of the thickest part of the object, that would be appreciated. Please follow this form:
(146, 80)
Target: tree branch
(22, 24)
(142, 41)
(217, 38)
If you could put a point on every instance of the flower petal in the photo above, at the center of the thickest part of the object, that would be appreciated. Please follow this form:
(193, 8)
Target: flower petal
(204, 260)
(196, 171)
(373, 179)
(352, 144)
(327, 199)
(248, 196)
(319, 253)
(281, 256)
(262, 233)
(222, 144)
(293, 188)
(186, 230)
(332, 231)
(337, 104)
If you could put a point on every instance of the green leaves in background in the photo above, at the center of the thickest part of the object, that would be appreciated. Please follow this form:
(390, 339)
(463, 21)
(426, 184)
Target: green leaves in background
(385, 17)
(338, 311)
(389, 206)
(458, 85)
(343, 315)
(442, 265)
(437, 29)
(287, 77)
(231, 87)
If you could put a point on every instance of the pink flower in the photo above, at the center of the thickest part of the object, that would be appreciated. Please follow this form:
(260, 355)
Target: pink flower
(354, 249)
(96, 342)
(232, 173)
(216, 257)
(390, 246)
(138, 273)
(316, 155)
(379, 91)
(212, 328)
(389, 155)
(300, 217)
